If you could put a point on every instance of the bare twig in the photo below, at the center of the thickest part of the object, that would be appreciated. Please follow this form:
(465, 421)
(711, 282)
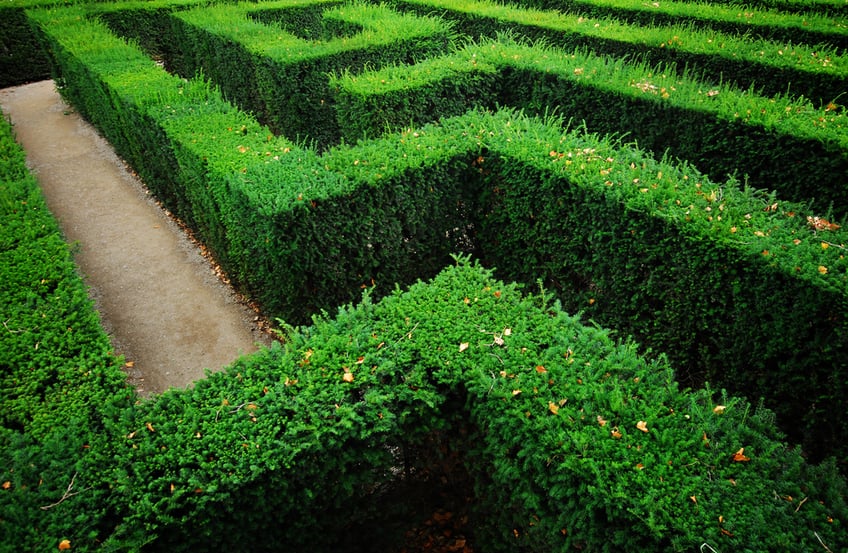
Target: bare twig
(840, 246)
(826, 548)
(9, 329)
(801, 503)
(68, 493)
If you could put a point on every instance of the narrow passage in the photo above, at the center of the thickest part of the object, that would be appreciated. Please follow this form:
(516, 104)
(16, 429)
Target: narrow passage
(159, 299)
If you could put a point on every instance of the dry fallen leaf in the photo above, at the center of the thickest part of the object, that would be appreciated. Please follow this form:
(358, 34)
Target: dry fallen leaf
(64, 545)
(6, 485)
(821, 224)
(541, 369)
(719, 409)
(739, 456)
(642, 425)
(149, 426)
(615, 433)
(463, 346)
(602, 421)
(348, 377)
(553, 407)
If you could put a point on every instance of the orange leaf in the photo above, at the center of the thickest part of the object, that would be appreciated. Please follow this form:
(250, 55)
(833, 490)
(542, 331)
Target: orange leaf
(149, 426)
(615, 433)
(821, 224)
(64, 545)
(348, 377)
(640, 466)
(541, 369)
(739, 456)
(602, 421)
(642, 425)
(553, 407)
(6, 485)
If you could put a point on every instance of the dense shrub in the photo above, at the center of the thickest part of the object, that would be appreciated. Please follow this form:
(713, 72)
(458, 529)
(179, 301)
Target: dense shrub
(564, 437)
(61, 390)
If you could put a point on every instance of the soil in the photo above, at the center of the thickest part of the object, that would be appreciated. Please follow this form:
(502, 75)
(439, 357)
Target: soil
(164, 305)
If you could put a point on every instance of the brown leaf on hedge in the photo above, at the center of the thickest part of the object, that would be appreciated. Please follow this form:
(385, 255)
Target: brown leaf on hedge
(740, 457)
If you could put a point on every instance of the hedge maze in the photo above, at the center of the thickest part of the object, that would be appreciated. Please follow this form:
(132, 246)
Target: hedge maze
(446, 205)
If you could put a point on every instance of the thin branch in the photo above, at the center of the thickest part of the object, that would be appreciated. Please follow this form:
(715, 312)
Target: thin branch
(68, 493)
(826, 548)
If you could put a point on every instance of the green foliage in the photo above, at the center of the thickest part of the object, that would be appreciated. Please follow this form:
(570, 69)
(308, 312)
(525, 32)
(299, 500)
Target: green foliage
(546, 413)
(570, 438)
(61, 386)
(21, 56)
(809, 26)
(816, 72)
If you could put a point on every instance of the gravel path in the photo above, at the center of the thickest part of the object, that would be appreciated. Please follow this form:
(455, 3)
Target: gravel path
(160, 300)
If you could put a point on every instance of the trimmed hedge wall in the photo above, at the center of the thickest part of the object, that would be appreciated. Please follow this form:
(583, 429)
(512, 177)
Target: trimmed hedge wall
(61, 390)
(776, 143)
(817, 72)
(322, 424)
(463, 380)
(266, 208)
(249, 51)
(808, 27)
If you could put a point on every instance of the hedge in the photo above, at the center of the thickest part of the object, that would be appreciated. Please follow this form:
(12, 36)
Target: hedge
(252, 55)
(775, 143)
(810, 27)
(400, 205)
(569, 439)
(61, 389)
(817, 72)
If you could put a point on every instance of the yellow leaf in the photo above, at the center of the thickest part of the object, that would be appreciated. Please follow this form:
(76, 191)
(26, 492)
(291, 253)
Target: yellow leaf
(64, 545)
(516, 392)
(719, 409)
(149, 426)
(463, 346)
(348, 377)
(642, 425)
(823, 269)
(553, 407)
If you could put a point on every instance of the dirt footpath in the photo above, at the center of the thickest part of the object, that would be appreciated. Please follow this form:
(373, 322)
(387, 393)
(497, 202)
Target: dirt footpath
(159, 299)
